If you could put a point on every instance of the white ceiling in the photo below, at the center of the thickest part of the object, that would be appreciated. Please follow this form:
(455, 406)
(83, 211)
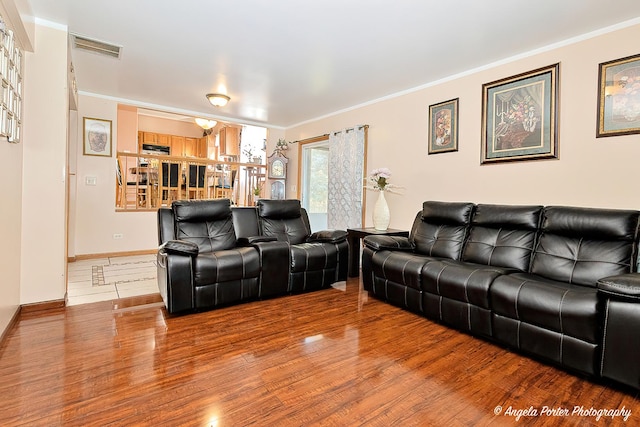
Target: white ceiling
(284, 62)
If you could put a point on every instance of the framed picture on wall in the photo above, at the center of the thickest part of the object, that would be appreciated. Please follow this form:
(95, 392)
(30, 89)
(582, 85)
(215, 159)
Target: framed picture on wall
(443, 127)
(97, 137)
(619, 97)
(520, 117)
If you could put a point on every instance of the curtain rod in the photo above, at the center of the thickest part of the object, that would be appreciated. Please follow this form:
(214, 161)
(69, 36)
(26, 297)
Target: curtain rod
(326, 135)
(350, 129)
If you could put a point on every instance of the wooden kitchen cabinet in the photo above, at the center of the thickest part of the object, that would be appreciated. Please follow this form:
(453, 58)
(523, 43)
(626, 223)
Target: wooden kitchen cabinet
(154, 138)
(150, 138)
(190, 147)
(177, 145)
(180, 146)
(203, 148)
(229, 141)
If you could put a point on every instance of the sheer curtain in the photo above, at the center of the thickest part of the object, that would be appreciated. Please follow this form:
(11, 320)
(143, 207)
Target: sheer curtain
(346, 169)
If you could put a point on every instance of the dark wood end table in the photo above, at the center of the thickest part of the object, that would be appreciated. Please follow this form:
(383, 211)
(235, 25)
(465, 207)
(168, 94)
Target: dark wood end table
(354, 235)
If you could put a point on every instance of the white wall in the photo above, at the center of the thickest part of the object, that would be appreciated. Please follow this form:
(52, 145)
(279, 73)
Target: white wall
(45, 157)
(597, 172)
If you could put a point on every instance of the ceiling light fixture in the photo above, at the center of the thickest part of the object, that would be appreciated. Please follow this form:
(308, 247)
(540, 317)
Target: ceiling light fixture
(206, 124)
(218, 99)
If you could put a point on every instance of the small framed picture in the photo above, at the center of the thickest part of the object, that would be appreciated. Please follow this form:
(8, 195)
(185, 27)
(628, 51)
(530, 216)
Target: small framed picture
(619, 97)
(520, 117)
(443, 127)
(97, 137)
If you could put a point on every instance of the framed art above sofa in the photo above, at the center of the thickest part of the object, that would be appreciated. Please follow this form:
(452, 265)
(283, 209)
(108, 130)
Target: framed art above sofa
(619, 97)
(443, 127)
(520, 115)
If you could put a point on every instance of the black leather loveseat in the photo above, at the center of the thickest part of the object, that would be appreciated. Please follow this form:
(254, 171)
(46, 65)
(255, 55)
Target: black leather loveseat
(559, 283)
(213, 255)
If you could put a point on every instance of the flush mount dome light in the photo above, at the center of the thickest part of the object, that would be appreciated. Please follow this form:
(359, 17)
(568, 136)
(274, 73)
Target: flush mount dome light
(206, 124)
(218, 99)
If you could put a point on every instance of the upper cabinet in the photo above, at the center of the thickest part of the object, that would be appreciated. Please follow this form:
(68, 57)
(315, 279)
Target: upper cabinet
(179, 146)
(203, 147)
(229, 141)
(190, 147)
(149, 137)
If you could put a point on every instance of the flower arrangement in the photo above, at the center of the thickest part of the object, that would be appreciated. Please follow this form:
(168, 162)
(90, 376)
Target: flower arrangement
(282, 145)
(379, 180)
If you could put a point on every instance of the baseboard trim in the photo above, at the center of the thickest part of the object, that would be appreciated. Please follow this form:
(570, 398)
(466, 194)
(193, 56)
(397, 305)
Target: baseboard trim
(31, 308)
(42, 306)
(10, 325)
(112, 254)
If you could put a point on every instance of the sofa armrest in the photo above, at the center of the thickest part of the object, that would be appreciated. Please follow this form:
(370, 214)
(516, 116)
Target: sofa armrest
(393, 243)
(179, 247)
(248, 241)
(623, 286)
(328, 236)
(275, 264)
(175, 281)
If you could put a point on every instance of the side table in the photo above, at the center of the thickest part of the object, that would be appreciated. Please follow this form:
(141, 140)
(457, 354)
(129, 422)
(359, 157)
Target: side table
(354, 235)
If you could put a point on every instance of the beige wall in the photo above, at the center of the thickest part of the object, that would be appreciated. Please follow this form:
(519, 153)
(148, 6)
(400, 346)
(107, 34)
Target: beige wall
(591, 171)
(169, 127)
(11, 206)
(127, 129)
(96, 218)
(44, 169)
(10, 226)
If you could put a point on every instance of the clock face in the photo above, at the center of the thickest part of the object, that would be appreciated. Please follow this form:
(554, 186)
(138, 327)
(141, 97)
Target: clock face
(277, 168)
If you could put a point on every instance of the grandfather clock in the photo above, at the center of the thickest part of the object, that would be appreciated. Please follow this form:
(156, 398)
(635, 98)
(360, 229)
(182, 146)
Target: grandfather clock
(277, 174)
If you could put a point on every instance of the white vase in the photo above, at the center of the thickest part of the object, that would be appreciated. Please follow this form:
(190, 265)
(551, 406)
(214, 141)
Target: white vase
(381, 214)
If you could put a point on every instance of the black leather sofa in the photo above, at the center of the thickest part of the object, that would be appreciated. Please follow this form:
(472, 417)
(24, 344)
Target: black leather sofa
(212, 254)
(559, 283)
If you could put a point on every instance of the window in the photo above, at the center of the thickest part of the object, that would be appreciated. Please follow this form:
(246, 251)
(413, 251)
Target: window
(10, 86)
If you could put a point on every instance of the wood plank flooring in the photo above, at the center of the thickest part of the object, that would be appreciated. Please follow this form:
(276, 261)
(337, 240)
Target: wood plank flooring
(335, 357)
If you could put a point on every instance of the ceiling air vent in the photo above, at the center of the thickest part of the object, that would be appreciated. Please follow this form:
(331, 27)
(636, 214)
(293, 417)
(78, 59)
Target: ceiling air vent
(96, 46)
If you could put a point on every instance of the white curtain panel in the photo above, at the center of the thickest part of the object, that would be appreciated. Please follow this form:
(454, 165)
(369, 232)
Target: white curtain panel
(346, 158)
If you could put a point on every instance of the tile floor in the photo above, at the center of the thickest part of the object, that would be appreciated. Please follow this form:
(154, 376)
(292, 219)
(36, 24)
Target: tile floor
(104, 279)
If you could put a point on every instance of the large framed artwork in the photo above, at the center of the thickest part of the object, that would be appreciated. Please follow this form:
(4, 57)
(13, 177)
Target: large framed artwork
(97, 137)
(443, 127)
(520, 117)
(619, 97)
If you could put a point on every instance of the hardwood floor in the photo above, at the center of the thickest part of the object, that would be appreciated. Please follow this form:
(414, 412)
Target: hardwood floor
(334, 358)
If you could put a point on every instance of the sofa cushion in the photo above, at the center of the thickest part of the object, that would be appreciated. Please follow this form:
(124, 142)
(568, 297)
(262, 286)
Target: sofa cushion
(460, 281)
(568, 309)
(582, 245)
(226, 266)
(292, 231)
(313, 256)
(207, 223)
(502, 236)
(201, 210)
(280, 209)
(400, 267)
(441, 228)
(284, 220)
